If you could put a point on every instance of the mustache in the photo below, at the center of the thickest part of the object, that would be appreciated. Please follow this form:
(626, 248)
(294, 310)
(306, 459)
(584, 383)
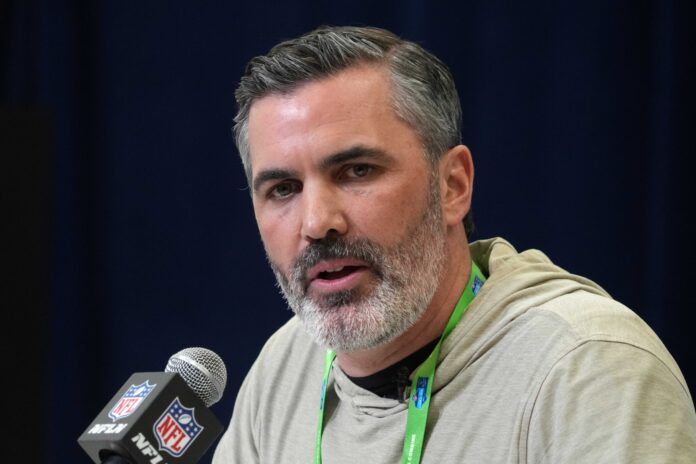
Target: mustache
(333, 247)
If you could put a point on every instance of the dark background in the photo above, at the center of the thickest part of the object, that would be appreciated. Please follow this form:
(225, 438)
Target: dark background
(129, 234)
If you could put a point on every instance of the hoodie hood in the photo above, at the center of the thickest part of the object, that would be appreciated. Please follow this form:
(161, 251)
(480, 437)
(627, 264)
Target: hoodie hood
(516, 283)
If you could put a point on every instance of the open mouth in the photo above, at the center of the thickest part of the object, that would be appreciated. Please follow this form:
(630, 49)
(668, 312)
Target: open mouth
(334, 274)
(337, 275)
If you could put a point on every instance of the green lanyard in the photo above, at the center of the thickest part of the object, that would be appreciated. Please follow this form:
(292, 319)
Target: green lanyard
(419, 401)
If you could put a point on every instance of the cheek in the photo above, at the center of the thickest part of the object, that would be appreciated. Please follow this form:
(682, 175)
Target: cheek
(277, 234)
(385, 215)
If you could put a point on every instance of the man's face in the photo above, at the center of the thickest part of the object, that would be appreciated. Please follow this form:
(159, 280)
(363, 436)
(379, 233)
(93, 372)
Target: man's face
(348, 208)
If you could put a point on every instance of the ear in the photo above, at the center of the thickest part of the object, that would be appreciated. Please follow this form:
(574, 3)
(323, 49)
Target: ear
(456, 184)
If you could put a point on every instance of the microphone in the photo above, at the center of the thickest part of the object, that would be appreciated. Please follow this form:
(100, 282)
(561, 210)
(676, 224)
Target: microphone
(161, 417)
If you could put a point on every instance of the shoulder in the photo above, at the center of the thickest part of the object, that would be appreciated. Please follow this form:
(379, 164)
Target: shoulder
(612, 383)
(281, 387)
(609, 399)
(600, 322)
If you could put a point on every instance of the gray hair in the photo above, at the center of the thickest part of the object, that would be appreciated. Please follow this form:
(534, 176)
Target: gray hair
(423, 90)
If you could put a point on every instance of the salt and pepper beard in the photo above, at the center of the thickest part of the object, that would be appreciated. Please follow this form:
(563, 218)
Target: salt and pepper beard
(406, 277)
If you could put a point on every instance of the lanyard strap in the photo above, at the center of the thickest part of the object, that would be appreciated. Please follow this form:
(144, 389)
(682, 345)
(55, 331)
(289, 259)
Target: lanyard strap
(421, 386)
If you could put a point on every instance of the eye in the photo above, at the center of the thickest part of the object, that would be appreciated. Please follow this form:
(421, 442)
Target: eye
(283, 190)
(358, 170)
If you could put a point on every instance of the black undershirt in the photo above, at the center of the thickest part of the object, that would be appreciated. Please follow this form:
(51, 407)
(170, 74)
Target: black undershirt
(393, 380)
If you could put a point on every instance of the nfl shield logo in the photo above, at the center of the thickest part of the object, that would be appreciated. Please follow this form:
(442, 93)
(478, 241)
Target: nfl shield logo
(130, 400)
(176, 428)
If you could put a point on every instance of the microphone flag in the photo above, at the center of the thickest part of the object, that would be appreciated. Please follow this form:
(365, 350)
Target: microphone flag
(154, 418)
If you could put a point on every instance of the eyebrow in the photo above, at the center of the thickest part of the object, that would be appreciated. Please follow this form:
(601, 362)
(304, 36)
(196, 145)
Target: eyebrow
(357, 151)
(271, 174)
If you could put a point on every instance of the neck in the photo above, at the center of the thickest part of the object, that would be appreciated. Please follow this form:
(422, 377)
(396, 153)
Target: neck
(429, 326)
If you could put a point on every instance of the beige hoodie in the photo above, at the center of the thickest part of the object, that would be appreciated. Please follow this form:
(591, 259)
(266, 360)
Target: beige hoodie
(544, 367)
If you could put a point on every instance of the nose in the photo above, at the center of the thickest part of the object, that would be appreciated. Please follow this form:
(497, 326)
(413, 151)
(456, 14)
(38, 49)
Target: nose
(323, 213)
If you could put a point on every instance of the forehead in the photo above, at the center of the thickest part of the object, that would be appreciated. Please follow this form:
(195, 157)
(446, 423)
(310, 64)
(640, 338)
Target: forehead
(351, 107)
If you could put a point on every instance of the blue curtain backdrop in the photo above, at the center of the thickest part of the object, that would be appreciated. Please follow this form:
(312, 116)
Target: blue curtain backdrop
(580, 116)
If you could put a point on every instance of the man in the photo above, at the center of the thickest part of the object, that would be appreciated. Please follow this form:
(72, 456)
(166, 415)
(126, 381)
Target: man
(350, 138)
